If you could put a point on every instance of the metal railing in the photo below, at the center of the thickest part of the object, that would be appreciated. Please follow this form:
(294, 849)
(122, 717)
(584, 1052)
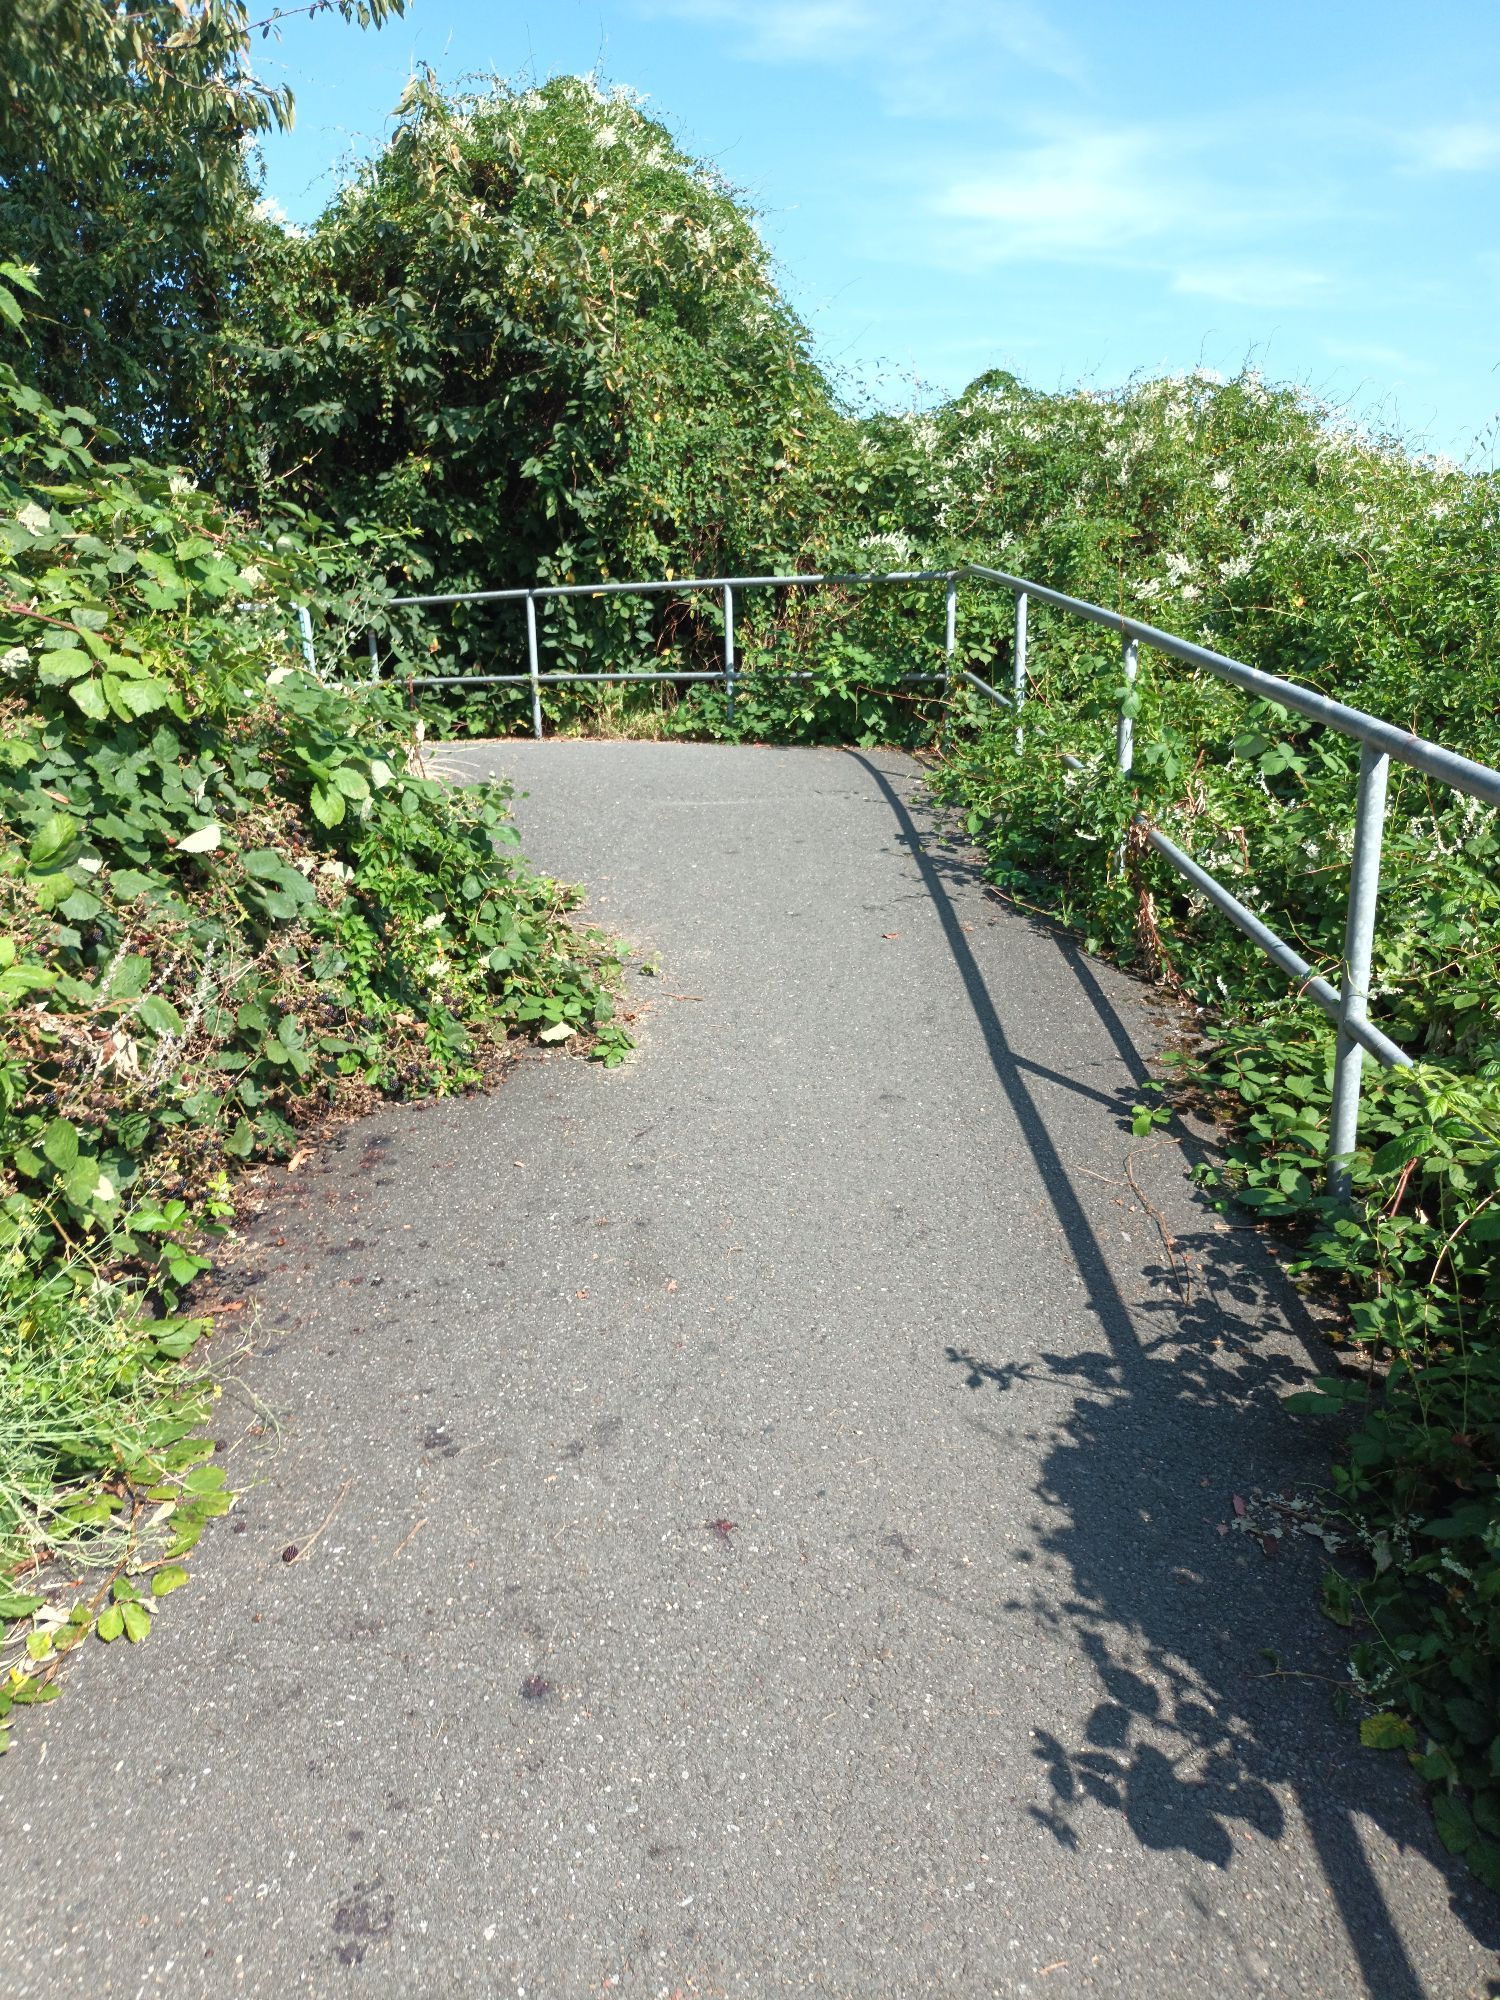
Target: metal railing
(725, 585)
(1347, 1005)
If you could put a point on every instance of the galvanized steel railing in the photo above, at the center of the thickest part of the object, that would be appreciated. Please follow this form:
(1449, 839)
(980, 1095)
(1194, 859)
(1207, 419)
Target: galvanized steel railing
(1347, 1005)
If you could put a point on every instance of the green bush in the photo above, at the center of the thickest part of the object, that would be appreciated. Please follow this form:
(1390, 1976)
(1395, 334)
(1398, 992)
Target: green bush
(231, 904)
(1251, 520)
(546, 343)
(125, 180)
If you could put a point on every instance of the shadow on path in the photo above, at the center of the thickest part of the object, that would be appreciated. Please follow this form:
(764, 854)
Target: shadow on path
(1192, 1742)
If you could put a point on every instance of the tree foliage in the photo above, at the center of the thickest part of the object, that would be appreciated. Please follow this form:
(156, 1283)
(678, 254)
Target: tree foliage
(124, 181)
(550, 344)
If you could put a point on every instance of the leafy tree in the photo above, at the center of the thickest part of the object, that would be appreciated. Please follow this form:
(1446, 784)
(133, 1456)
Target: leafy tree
(123, 180)
(551, 343)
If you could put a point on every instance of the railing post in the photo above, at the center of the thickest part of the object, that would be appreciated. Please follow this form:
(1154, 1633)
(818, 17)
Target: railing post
(1130, 659)
(531, 649)
(729, 651)
(374, 656)
(1359, 942)
(304, 626)
(950, 647)
(1018, 667)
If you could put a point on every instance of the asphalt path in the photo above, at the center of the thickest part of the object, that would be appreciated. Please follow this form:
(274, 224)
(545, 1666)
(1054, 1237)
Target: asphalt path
(767, 1516)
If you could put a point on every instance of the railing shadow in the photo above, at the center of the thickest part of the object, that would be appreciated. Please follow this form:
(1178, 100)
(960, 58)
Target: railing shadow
(1199, 1735)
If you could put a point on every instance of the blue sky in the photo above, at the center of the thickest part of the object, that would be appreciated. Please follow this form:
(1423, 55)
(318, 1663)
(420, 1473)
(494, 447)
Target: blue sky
(1074, 189)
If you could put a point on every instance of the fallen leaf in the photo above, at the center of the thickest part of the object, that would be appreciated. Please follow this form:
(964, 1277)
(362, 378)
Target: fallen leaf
(671, 1284)
(890, 934)
(1239, 1506)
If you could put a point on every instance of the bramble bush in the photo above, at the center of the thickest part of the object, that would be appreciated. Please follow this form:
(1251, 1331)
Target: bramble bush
(548, 346)
(1252, 520)
(231, 905)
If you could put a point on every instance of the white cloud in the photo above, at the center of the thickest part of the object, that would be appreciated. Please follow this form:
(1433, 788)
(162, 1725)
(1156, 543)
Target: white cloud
(917, 52)
(1253, 281)
(1454, 149)
(1079, 195)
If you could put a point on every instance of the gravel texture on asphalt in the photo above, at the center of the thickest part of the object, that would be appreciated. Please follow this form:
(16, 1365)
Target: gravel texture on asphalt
(780, 1502)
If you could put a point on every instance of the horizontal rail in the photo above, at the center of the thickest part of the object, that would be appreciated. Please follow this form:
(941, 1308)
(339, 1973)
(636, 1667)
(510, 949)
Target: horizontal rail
(525, 680)
(1448, 766)
(683, 583)
(716, 674)
(1275, 948)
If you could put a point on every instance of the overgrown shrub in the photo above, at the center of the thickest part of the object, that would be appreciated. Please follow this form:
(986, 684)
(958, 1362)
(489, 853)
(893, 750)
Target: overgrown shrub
(1252, 520)
(228, 904)
(548, 344)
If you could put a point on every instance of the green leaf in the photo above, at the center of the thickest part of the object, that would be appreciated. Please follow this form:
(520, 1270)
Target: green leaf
(111, 1623)
(60, 1144)
(1406, 1146)
(328, 806)
(60, 664)
(137, 1621)
(1455, 1827)
(1338, 1598)
(18, 1604)
(140, 697)
(130, 977)
(129, 883)
(170, 1577)
(90, 697)
(180, 1340)
(54, 844)
(159, 1015)
(83, 1182)
(241, 1141)
(1386, 1731)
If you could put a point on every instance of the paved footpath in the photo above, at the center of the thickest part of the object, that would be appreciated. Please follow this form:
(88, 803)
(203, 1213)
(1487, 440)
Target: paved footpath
(782, 1531)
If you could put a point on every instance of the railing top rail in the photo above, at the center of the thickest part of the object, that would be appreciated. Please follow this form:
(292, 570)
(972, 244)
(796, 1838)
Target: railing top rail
(1480, 781)
(678, 584)
(1449, 767)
